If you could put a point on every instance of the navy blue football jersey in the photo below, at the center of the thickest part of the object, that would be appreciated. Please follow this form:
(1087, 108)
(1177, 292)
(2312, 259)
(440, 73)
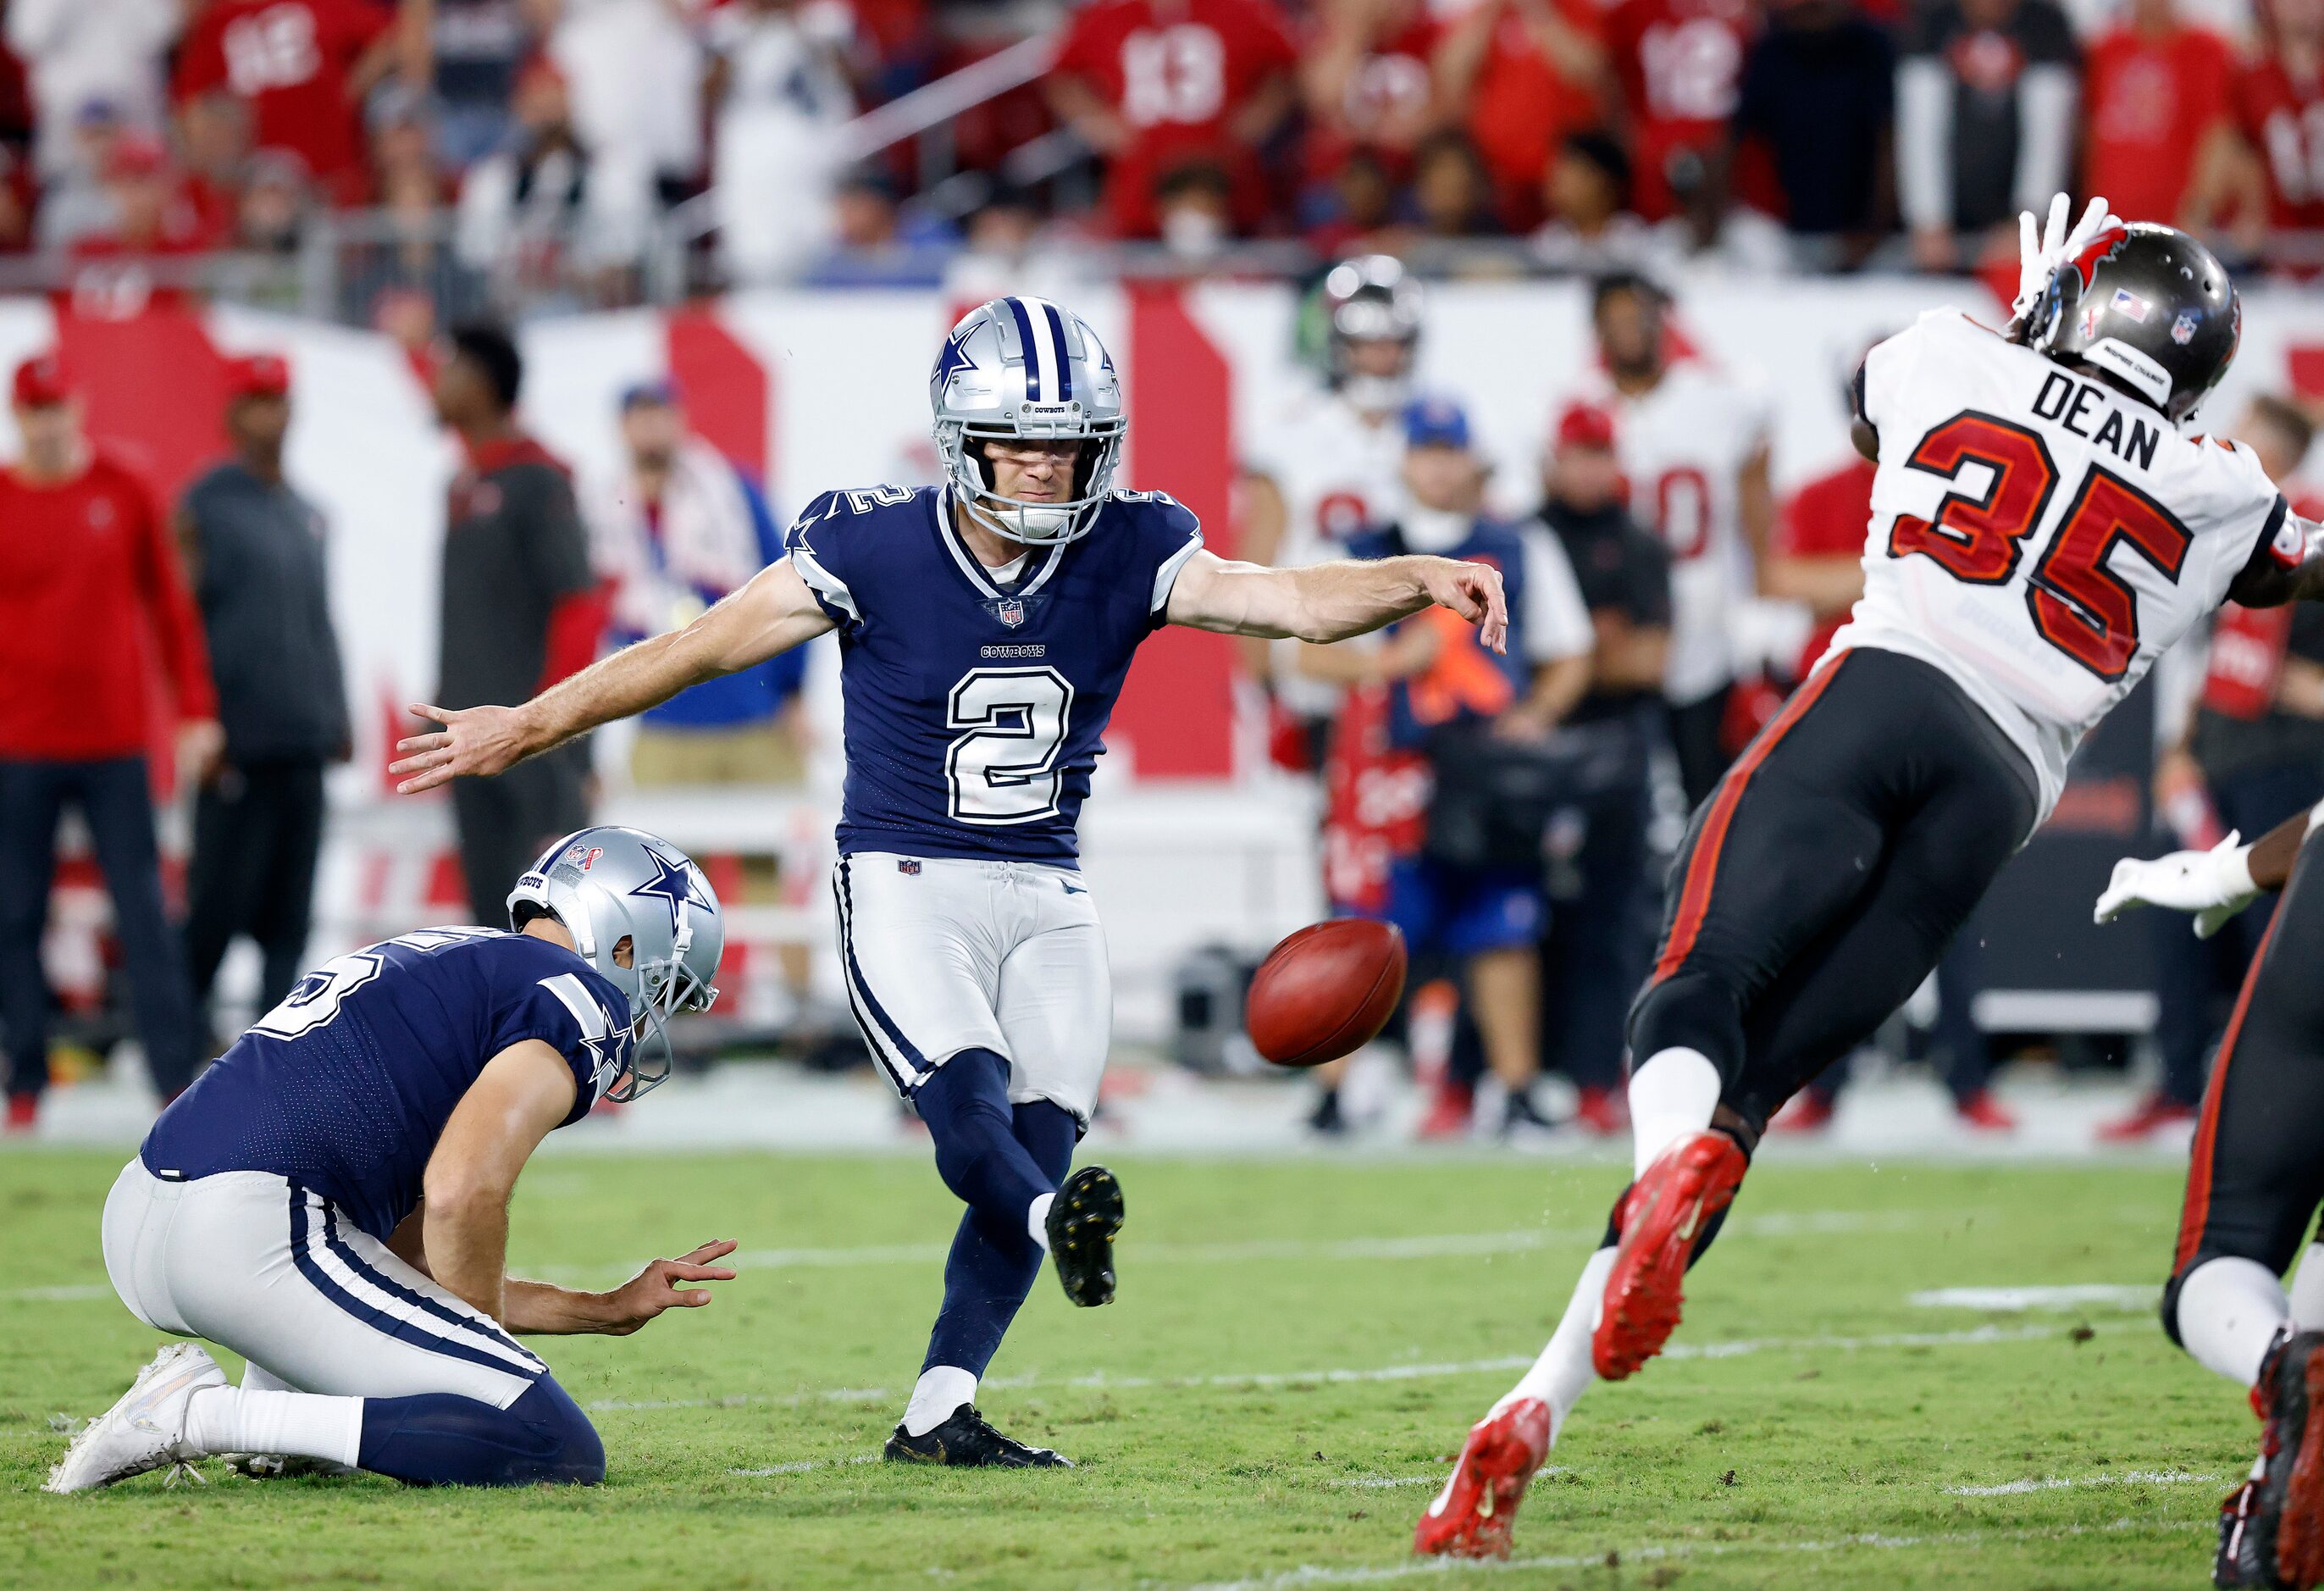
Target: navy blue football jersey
(976, 709)
(347, 1084)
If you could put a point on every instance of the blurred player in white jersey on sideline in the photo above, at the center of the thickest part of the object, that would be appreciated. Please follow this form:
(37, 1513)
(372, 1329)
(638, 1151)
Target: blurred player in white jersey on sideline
(1693, 443)
(1329, 465)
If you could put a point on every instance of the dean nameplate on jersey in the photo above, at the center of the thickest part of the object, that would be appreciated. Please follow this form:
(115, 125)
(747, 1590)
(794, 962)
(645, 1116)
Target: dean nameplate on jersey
(2070, 403)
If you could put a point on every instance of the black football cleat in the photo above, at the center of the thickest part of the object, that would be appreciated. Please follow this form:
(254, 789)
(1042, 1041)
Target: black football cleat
(1083, 1218)
(2272, 1528)
(966, 1441)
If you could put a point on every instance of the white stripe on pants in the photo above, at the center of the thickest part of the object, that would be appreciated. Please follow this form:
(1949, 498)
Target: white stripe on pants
(333, 1312)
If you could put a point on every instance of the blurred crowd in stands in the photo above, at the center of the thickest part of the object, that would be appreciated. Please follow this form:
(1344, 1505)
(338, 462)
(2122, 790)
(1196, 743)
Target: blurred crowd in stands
(530, 153)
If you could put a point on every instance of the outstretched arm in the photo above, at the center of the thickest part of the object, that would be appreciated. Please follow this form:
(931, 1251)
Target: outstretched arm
(2213, 884)
(459, 1234)
(1327, 602)
(771, 614)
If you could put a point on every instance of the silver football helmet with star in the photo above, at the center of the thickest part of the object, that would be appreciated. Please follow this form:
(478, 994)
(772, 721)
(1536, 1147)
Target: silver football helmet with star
(609, 884)
(1022, 369)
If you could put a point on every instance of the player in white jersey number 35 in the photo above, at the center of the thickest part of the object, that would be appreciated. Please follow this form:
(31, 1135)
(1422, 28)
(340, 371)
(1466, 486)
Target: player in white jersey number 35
(985, 627)
(2040, 532)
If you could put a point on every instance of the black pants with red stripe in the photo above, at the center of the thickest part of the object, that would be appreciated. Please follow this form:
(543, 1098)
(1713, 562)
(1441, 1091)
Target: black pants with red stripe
(1828, 873)
(2257, 1177)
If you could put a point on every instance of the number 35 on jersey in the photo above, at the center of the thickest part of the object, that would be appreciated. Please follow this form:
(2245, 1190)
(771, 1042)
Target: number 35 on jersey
(2037, 534)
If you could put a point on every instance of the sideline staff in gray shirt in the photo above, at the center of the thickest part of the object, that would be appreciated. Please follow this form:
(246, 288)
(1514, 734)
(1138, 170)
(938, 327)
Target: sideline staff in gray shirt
(254, 550)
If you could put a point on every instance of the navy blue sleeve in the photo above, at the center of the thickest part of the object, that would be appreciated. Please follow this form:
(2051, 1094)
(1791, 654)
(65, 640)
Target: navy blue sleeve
(567, 1011)
(1168, 534)
(821, 550)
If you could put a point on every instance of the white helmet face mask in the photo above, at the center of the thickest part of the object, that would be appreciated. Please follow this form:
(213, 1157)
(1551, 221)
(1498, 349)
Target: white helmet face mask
(609, 884)
(1022, 370)
(1371, 300)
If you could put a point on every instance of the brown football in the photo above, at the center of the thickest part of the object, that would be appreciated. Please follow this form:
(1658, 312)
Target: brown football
(1326, 991)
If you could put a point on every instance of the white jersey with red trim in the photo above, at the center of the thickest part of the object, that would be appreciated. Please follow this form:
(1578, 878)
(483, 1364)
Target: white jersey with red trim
(1337, 468)
(2039, 536)
(1683, 446)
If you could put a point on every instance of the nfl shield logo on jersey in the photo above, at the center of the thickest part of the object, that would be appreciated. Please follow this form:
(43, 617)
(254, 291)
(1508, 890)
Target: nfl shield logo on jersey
(908, 865)
(1010, 611)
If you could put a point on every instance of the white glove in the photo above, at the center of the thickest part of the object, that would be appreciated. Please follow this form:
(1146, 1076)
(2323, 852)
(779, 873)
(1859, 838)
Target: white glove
(2039, 256)
(2214, 885)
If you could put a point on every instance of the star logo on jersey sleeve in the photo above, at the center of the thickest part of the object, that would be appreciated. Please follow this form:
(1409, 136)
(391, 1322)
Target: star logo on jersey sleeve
(671, 885)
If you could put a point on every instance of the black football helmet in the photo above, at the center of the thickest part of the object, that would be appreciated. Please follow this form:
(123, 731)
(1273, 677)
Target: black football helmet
(2149, 308)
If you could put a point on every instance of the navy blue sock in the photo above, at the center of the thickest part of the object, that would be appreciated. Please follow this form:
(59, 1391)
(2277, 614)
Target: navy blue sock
(443, 1440)
(993, 1261)
(965, 1104)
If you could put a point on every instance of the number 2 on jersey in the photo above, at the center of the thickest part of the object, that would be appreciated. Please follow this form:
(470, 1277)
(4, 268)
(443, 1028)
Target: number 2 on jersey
(2079, 604)
(1003, 767)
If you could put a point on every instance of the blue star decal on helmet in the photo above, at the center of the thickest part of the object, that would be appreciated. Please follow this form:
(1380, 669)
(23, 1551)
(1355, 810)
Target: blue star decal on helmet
(953, 360)
(671, 885)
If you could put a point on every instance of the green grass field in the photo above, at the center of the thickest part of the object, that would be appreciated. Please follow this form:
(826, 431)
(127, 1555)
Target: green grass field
(1296, 1351)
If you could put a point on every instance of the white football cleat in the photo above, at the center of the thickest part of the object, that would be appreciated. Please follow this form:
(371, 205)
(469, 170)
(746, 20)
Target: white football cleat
(146, 1429)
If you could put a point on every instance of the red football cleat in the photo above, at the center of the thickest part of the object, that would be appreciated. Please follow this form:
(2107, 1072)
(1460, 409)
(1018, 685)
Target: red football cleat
(1448, 1113)
(1688, 1183)
(1473, 1514)
(2154, 1113)
(1603, 1112)
(24, 1112)
(1984, 1114)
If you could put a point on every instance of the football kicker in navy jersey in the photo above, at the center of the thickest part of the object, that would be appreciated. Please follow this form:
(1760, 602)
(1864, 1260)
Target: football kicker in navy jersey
(976, 707)
(330, 1199)
(986, 627)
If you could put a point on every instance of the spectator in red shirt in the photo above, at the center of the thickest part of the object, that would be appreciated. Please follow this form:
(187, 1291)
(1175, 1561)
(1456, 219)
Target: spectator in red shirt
(1677, 64)
(1369, 81)
(2156, 92)
(1530, 72)
(304, 67)
(1156, 84)
(2279, 110)
(1817, 557)
(88, 575)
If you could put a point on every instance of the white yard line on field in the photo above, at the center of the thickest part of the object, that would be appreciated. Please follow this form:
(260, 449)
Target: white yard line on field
(1977, 1336)
(1435, 1246)
(804, 1465)
(2019, 1299)
(2128, 1477)
(1317, 1575)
